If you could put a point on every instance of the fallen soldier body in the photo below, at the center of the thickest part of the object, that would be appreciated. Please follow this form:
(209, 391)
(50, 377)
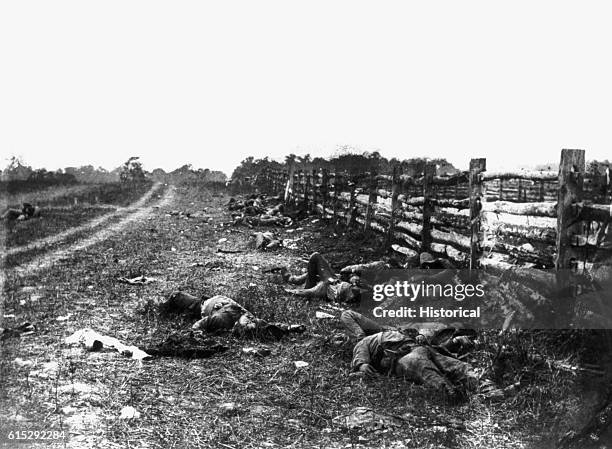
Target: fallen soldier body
(321, 282)
(263, 220)
(221, 313)
(27, 211)
(425, 353)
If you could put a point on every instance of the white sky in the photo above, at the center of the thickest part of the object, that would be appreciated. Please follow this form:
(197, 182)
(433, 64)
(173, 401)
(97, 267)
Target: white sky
(210, 83)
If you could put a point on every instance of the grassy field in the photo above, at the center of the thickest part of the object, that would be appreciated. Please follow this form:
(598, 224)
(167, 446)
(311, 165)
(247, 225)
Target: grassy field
(63, 209)
(47, 384)
(113, 193)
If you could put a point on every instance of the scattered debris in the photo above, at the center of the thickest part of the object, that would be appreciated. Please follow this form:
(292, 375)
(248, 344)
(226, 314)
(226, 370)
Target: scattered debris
(138, 280)
(93, 341)
(75, 388)
(229, 251)
(260, 410)
(301, 364)
(129, 412)
(23, 363)
(46, 371)
(367, 419)
(323, 316)
(252, 350)
(229, 408)
(68, 410)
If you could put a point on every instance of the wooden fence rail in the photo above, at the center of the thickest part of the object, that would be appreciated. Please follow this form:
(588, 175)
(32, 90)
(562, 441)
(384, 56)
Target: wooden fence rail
(476, 217)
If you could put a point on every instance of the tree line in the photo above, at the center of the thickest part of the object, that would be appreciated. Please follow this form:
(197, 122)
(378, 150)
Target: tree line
(131, 171)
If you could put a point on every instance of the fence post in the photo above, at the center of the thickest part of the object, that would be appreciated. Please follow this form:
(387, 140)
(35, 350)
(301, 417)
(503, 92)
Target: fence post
(334, 199)
(571, 181)
(477, 166)
(306, 189)
(300, 187)
(394, 195)
(324, 185)
(426, 239)
(371, 201)
(289, 188)
(314, 184)
(353, 187)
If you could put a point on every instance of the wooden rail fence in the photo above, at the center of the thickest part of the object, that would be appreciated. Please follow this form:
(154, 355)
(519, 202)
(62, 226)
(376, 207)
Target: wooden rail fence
(477, 218)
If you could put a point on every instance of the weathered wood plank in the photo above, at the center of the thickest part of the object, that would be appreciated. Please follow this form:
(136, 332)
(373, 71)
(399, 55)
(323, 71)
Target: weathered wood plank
(536, 209)
(521, 174)
(428, 207)
(571, 178)
(477, 166)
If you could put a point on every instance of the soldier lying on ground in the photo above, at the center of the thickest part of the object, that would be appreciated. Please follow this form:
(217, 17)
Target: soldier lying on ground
(27, 211)
(321, 282)
(256, 205)
(425, 353)
(221, 313)
(256, 212)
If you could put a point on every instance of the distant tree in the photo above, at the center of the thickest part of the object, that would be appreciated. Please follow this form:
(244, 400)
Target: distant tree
(16, 170)
(290, 159)
(132, 171)
(597, 167)
(304, 160)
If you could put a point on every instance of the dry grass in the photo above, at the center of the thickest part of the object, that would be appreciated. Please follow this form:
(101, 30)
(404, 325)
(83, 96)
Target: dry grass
(276, 404)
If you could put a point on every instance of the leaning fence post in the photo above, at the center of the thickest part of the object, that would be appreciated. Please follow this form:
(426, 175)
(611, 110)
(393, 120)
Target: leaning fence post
(289, 188)
(394, 195)
(426, 238)
(371, 201)
(476, 167)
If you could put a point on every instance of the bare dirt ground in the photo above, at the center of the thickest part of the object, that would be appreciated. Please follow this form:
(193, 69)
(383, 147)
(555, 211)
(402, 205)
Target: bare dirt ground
(47, 384)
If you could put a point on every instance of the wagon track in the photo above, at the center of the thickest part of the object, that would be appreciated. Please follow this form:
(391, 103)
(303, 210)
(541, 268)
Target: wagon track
(53, 239)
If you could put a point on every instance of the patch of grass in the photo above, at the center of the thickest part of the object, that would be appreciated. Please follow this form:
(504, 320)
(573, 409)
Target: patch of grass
(113, 193)
(52, 222)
